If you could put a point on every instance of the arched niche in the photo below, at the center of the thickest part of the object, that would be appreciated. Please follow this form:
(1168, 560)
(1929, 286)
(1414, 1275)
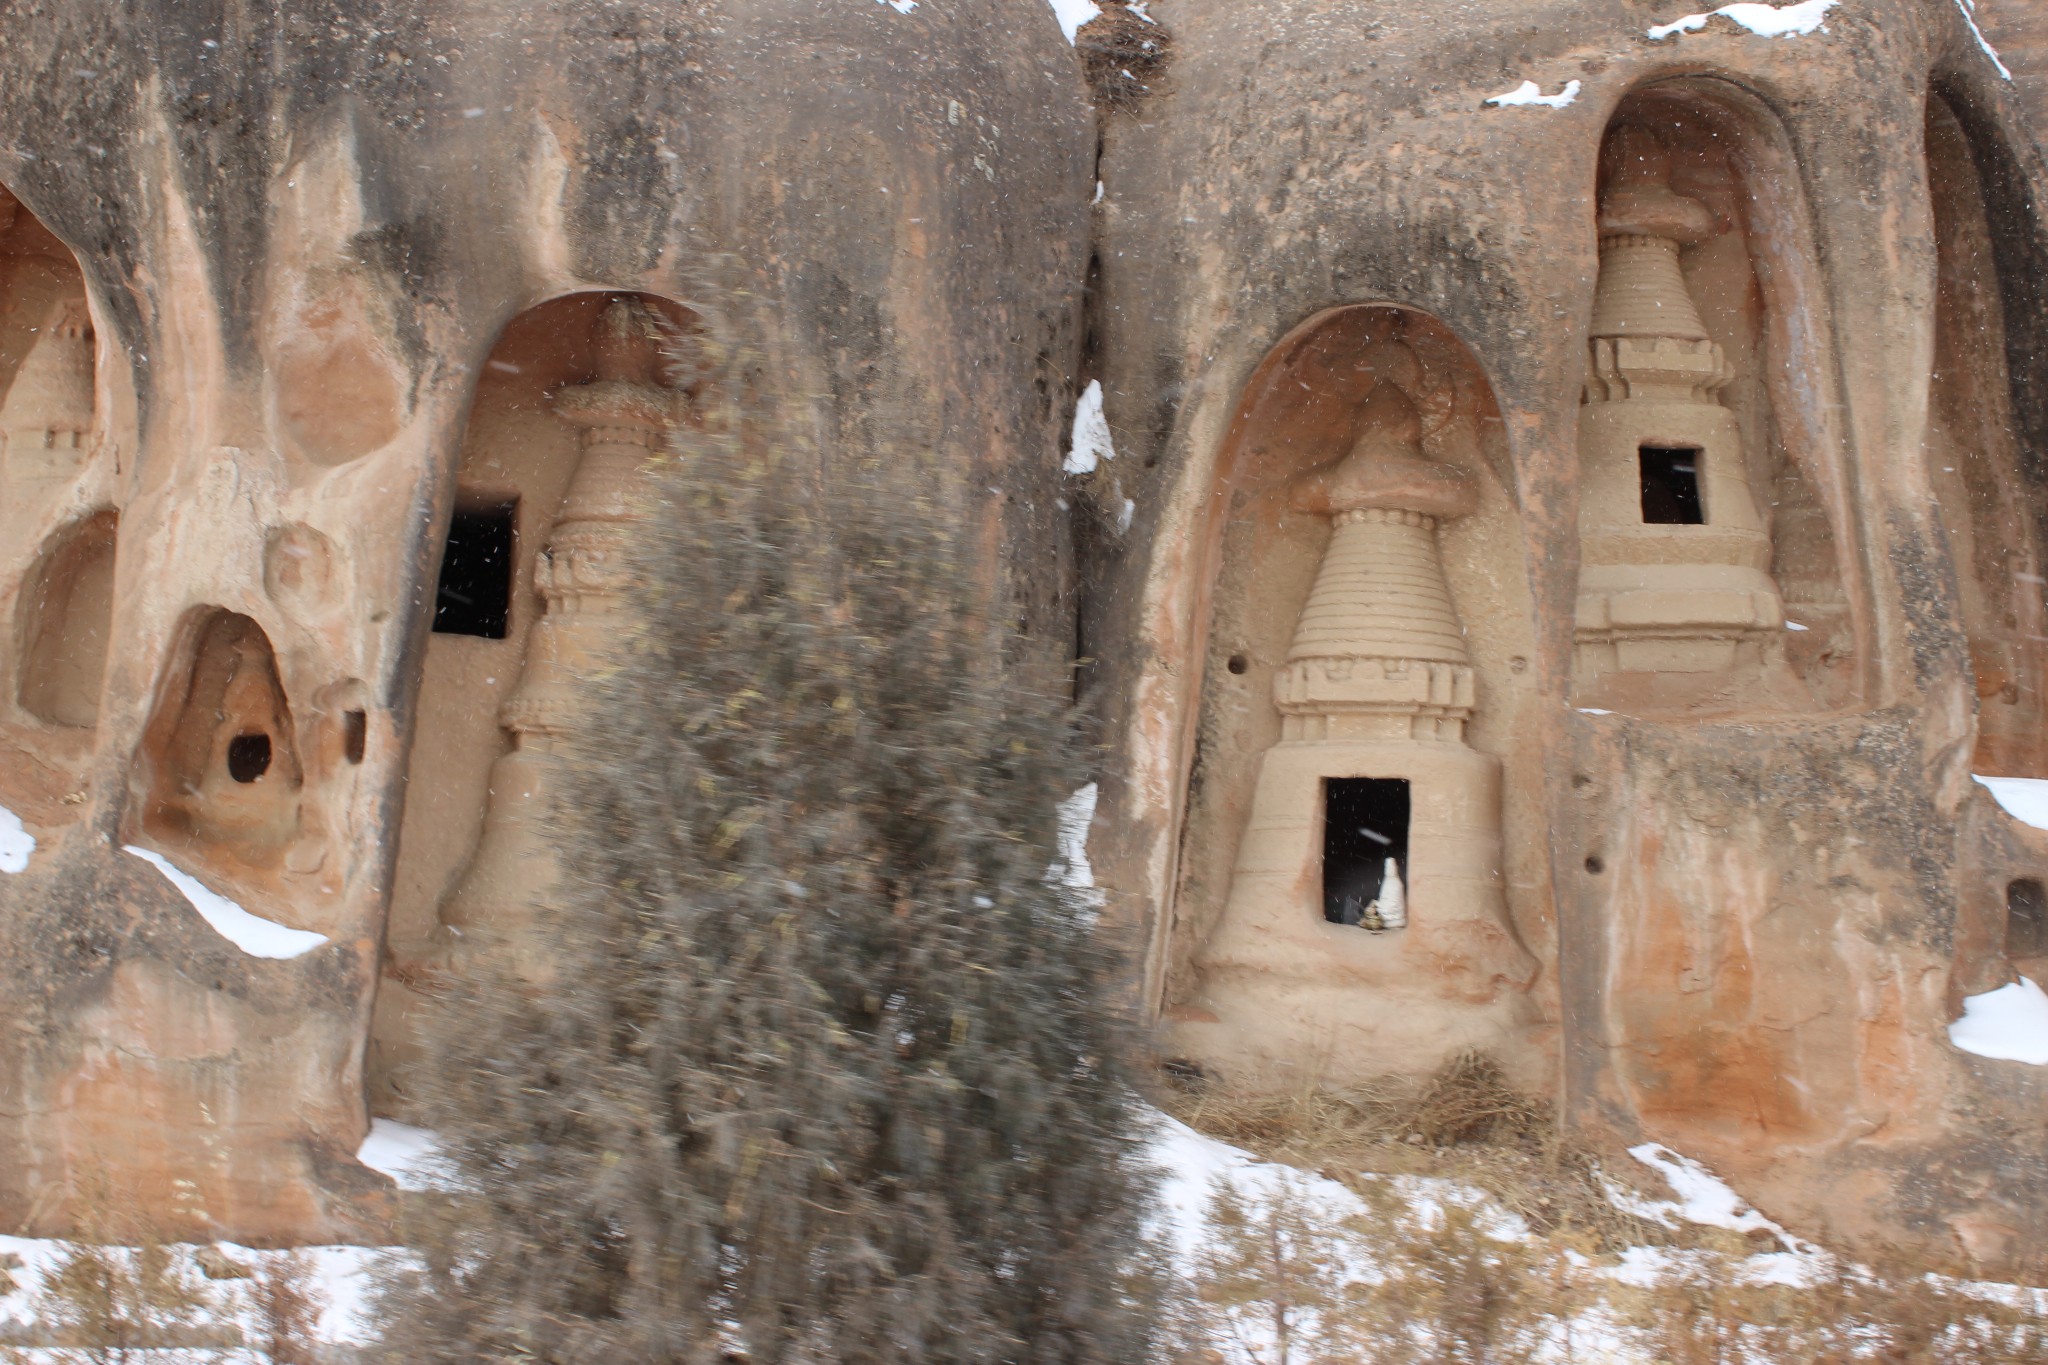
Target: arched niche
(563, 381)
(1713, 507)
(219, 779)
(46, 360)
(1368, 438)
(62, 620)
(1992, 495)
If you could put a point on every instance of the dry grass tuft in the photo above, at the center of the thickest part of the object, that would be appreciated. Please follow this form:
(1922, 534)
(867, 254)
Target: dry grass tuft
(1465, 1122)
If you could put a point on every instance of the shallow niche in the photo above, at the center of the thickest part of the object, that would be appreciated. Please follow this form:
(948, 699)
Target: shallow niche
(46, 360)
(63, 617)
(1991, 496)
(1710, 582)
(1341, 904)
(570, 403)
(220, 774)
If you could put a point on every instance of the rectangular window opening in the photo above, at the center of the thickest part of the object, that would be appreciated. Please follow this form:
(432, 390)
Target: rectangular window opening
(1671, 486)
(1365, 835)
(475, 593)
(2026, 919)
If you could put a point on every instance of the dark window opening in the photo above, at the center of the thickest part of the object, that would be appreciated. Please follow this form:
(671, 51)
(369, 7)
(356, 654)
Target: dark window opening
(475, 595)
(2026, 919)
(1365, 823)
(248, 757)
(355, 735)
(1671, 486)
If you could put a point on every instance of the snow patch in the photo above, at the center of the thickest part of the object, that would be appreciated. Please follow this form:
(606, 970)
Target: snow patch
(1969, 11)
(1196, 1165)
(16, 843)
(1794, 625)
(1074, 13)
(254, 935)
(2009, 1024)
(1071, 869)
(2025, 799)
(410, 1156)
(1091, 443)
(900, 6)
(1528, 92)
(1702, 1198)
(1767, 21)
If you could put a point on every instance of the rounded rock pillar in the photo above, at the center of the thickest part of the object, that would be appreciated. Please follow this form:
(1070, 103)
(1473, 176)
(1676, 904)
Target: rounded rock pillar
(1332, 967)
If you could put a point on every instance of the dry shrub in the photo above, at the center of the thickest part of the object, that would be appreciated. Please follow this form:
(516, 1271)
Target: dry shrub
(285, 1302)
(1124, 55)
(1464, 1122)
(119, 1294)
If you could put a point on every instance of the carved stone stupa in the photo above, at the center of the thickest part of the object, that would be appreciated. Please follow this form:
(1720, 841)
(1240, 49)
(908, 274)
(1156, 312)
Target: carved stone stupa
(581, 573)
(1674, 573)
(47, 417)
(1368, 880)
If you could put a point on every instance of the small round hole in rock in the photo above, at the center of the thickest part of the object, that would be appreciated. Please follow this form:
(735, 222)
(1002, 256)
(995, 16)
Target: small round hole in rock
(248, 757)
(1238, 663)
(1594, 865)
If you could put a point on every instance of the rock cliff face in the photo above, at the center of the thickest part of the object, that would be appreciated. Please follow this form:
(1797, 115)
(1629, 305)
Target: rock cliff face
(318, 325)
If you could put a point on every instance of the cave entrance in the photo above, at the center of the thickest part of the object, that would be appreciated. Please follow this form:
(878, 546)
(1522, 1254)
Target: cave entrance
(1365, 824)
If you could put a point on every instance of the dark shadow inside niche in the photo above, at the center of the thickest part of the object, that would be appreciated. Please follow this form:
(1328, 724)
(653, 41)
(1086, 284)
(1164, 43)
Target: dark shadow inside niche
(1670, 486)
(1726, 192)
(220, 769)
(2026, 918)
(1989, 487)
(474, 593)
(1365, 835)
(64, 616)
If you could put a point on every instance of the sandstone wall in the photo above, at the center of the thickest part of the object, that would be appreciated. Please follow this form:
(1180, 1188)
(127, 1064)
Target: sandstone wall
(301, 232)
(1755, 910)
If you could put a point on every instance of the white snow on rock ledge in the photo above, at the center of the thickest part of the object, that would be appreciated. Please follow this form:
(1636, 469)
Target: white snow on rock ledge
(410, 1156)
(2025, 799)
(254, 935)
(1528, 92)
(2009, 1024)
(1091, 443)
(1767, 21)
(16, 843)
(1074, 13)
(1969, 11)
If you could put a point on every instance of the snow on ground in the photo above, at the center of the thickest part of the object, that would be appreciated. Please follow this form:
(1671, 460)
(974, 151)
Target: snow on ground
(2025, 799)
(1769, 21)
(254, 935)
(410, 1156)
(2009, 1024)
(342, 1282)
(1074, 13)
(1528, 92)
(16, 843)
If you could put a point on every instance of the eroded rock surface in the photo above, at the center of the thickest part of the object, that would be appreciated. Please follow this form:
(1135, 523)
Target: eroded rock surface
(1690, 411)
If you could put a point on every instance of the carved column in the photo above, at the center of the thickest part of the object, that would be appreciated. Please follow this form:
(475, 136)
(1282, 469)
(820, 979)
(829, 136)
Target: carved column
(623, 415)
